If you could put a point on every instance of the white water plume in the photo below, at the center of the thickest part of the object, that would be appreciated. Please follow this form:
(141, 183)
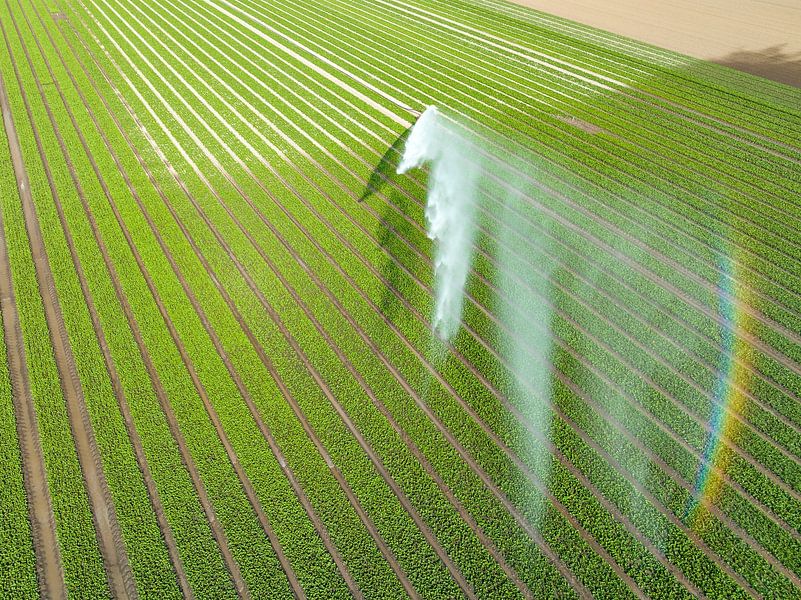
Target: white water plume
(450, 209)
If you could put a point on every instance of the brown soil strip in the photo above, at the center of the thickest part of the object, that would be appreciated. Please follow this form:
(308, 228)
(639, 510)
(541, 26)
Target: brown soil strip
(43, 529)
(112, 547)
(250, 492)
(708, 29)
(119, 393)
(158, 388)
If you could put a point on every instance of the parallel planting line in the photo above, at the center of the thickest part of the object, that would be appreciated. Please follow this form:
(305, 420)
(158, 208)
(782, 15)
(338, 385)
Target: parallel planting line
(748, 367)
(413, 448)
(239, 582)
(770, 409)
(133, 436)
(107, 528)
(377, 45)
(251, 406)
(158, 388)
(49, 573)
(344, 115)
(505, 47)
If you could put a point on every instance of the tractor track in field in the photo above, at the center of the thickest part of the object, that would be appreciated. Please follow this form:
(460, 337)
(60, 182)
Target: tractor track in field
(297, 590)
(119, 393)
(49, 571)
(166, 532)
(244, 481)
(118, 571)
(158, 388)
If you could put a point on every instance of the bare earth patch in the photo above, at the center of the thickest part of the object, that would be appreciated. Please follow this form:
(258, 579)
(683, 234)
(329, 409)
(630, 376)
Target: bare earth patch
(758, 37)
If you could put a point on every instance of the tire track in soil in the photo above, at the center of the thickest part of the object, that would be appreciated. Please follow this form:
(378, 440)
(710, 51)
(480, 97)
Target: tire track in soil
(112, 546)
(157, 386)
(49, 572)
(298, 591)
(133, 436)
(246, 483)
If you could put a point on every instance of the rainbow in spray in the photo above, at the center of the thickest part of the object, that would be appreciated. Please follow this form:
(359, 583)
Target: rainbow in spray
(728, 398)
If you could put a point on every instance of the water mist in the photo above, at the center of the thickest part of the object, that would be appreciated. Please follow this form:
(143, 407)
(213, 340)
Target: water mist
(450, 209)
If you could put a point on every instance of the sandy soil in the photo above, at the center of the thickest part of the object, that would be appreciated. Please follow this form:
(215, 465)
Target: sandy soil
(762, 37)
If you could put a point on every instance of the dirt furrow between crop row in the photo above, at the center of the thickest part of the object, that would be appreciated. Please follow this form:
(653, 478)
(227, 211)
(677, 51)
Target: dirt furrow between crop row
(112, 546)
(158, 388)
(122, 403)
(48, 557)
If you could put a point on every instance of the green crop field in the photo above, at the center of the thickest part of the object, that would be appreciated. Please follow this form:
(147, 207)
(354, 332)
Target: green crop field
(218, 376)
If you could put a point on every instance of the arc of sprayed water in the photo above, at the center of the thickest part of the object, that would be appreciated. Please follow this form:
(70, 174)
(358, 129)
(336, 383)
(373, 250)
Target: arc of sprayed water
(450, 210)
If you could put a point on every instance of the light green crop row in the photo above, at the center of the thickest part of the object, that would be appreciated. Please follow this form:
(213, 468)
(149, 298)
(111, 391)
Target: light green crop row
(17, 561)
(83, 566)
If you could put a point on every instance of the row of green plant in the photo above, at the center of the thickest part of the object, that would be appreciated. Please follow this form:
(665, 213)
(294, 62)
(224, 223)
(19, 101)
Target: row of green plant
(83, 565)
(17, 560)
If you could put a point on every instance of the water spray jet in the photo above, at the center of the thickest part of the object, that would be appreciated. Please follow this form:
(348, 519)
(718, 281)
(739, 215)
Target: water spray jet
(450, 209)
